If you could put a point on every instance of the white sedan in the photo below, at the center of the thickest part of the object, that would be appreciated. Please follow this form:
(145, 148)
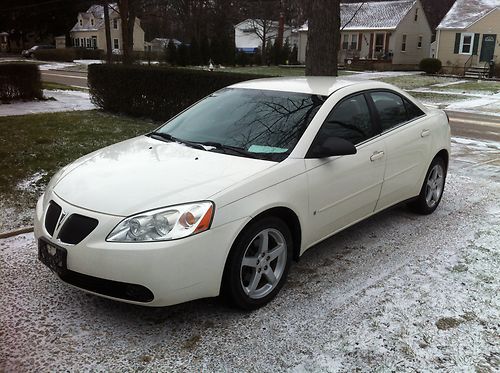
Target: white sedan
(221, 198)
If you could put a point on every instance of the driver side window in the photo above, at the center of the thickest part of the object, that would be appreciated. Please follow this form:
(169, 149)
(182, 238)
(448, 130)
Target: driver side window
(350, 120)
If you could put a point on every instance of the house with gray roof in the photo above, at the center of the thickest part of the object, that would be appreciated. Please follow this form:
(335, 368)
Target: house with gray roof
(468, 37)
(89, 30)
(395, 32)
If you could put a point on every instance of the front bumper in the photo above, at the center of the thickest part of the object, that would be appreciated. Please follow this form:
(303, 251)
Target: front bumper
(174, 271)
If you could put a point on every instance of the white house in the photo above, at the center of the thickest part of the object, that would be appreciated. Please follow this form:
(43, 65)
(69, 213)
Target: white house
(89, 30)
(249, 33)
(393, 31)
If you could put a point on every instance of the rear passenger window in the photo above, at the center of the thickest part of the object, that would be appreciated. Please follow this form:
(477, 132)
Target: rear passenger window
(350, 120)
(413, 110)
(391, 109)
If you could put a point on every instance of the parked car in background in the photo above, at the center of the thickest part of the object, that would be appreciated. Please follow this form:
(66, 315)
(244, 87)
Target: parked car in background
(222, 197)
(29, 53)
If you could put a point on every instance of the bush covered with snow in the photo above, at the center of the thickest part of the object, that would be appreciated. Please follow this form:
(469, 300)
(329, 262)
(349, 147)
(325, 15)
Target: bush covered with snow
(430, 65)
(154, 92)
(20, 81)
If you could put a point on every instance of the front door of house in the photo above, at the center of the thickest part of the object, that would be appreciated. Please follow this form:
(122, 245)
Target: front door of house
(487, 47)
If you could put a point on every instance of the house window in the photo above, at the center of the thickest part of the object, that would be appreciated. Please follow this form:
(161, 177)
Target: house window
(82, 42)
(403, 44)
(81, 22)
(354, 41)
(115, 44)
(92, 22)
(345, 42)
(89, 43)
(76, 42)
(419, 41)
(94, 42)
(466, 43)
(416, 14)
(115, 23)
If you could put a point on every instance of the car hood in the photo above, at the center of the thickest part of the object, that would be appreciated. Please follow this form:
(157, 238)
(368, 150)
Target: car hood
(144, 173)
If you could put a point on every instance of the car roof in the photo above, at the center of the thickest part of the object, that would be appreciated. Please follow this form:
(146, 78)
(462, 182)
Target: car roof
(316, 85)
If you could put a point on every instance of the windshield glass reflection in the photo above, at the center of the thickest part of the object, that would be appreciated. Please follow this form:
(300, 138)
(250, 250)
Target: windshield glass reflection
(247, 122)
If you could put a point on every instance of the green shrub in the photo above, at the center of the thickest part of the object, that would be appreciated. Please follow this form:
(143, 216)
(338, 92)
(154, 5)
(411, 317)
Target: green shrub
(154, 92)
(69, 54)
(430, 65)
(20, 81)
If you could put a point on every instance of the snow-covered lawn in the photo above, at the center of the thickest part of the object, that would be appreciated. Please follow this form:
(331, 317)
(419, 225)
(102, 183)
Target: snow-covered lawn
(399, 292)
(482, 97)
(58, 100)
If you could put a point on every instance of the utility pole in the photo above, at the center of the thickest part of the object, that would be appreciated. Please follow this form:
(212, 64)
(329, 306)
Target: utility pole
(107, 27)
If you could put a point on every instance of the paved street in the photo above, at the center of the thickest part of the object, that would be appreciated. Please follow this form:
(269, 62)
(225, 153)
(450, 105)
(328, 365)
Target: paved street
(475, 126)
(77, 79)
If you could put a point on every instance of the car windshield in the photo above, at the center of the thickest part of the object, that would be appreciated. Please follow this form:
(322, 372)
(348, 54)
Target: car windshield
(246, 122)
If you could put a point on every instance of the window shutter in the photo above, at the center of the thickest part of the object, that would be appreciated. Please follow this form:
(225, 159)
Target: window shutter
(457, 42)
(476, 44)
(360, 40)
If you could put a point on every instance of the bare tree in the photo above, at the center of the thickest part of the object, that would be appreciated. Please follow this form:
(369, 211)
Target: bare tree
(128, 10)
(263, 16)
(107, 26)
(323, 39)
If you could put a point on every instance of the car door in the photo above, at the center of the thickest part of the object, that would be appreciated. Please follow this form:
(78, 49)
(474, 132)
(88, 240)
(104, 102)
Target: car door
(406, 134)
(345, 189)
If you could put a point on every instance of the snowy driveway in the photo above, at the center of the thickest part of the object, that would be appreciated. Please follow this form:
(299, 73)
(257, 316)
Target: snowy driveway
(397, 292)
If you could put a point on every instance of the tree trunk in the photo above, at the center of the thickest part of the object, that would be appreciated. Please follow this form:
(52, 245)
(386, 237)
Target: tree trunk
(107, 28)
(127, 16)
(323, 38)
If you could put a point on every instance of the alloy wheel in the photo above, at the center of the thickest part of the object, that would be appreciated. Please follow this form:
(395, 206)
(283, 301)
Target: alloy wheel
(263, 263)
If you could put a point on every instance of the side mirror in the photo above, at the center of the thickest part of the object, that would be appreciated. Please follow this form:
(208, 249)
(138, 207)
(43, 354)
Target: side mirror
(330, 147)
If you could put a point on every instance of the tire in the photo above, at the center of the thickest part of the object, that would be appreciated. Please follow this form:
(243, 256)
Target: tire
(258, 263)
(432, 188)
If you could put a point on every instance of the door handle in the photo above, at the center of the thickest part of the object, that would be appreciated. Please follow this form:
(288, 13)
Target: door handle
(425, 133)
(376, 155)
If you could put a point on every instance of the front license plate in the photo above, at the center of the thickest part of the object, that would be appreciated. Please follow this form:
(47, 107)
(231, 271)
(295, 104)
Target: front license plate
(52, 256)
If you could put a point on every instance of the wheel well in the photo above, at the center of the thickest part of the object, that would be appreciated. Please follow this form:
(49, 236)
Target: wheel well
(443, 154)
(290, 219)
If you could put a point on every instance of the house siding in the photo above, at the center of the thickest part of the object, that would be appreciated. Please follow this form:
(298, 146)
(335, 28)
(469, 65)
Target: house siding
(100, 34)
(490, 24)
(412, 29)
(392, 40)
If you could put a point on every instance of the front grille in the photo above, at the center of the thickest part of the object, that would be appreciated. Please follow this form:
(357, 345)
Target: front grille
(76, 228)
(52, 216)
(115, 289)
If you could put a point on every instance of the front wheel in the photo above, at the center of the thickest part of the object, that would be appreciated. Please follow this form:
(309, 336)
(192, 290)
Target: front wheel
(432, 189)
(258, 263)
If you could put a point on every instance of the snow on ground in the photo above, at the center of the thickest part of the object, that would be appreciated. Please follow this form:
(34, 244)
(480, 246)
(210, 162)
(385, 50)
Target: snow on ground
(381, 74)
(398, 292)
(55, 65)
(31, 182)
(87, 62)
(61, 100)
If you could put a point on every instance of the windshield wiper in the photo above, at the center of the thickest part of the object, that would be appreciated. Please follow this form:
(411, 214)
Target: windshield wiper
(163, 136)
(169, 137)
(225, 148)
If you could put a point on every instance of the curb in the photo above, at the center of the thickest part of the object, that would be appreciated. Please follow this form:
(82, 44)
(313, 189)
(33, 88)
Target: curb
(16, 232)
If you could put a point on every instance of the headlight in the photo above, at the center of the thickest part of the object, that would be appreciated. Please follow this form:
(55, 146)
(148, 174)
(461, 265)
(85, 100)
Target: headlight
(168, 223)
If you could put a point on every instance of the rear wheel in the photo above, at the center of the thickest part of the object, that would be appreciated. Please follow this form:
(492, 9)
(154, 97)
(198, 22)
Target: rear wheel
(432, 189)
(258, 263)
